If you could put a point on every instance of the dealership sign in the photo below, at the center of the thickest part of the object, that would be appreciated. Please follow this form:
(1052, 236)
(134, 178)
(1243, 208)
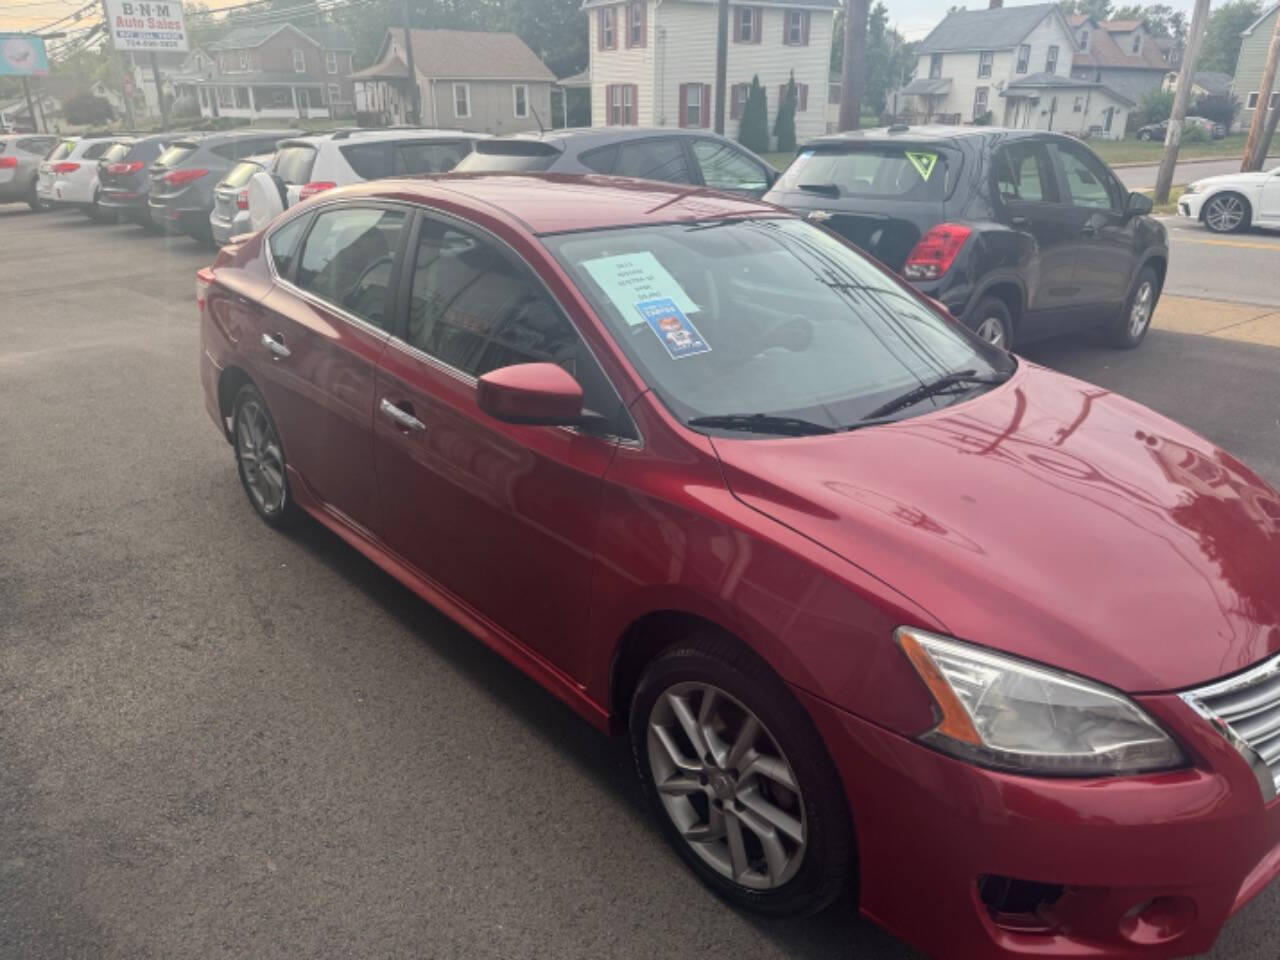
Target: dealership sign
(146, 26)
(22, 55)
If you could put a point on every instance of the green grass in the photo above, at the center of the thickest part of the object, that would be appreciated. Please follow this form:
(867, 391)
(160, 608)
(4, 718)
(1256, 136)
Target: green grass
(1139, 151)
(779, 161)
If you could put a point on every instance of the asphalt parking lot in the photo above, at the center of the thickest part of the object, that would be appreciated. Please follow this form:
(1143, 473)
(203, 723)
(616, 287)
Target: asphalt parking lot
(217, 741)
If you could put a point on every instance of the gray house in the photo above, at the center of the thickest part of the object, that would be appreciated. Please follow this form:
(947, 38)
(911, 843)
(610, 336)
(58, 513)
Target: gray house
(1253, 54)
(1118, 53)
(467, 80)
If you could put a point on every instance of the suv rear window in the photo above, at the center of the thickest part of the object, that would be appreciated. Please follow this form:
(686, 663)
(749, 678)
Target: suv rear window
(241, 173)
(62, 150)
(175, 154)
(897, 172)
(117, 151)
(294, 163)
(508, 156)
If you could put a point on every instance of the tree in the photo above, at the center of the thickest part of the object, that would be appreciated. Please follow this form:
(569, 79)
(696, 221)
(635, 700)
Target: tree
(1223, 37)
(1220, 108)
(754, 131)
(887, 56)
(1155, 107)
(784, 124)
(1160, 19)
(85, 110)
(1098, 9)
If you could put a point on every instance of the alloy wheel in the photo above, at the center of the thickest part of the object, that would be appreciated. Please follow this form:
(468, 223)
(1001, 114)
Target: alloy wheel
(260, 458)
(1140, 312)
(726, 785)
(1224, 214)
(992, 330)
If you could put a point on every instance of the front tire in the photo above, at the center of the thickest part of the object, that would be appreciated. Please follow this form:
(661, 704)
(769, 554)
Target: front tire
(993, 322)
(739, 780)
(260, 459)
(1227, 213)
(1131, 326)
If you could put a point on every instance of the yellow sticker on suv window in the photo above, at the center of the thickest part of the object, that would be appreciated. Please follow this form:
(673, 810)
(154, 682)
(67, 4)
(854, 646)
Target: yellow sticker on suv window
(923, 162)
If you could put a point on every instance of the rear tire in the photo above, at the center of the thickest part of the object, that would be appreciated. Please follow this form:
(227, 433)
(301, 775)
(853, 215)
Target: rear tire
(759, 844)
(260, 459)
(992, 321)
(33, 197)
(1130, 328)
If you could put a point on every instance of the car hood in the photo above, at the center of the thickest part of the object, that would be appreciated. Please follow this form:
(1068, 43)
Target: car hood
(1047, 518)
(1231, 180)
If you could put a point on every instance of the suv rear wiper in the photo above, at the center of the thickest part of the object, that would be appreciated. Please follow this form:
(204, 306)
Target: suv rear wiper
(933, 388)
(762, 423)
(827, 189)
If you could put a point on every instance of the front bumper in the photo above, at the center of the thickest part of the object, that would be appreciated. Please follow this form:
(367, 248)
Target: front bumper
(1189, 205)
(1148, 866)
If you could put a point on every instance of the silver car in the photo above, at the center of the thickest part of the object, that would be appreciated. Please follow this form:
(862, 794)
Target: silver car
(230, 216)
(20, 156)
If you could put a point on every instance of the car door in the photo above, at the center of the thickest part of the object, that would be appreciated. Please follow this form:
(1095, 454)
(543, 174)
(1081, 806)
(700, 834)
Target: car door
(724, 167)
(502, 517)
(1029, 195)
(1104, 240)
(324, 327)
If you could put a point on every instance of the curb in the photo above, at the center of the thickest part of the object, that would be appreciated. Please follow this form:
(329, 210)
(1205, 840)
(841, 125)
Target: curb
(1146, 163)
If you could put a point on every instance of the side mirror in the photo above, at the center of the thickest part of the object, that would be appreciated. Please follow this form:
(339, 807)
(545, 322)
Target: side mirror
(538, 394)
(1139, 205)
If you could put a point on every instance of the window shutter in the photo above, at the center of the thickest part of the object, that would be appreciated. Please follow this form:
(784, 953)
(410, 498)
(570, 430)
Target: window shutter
(786, 28)
(600, 29)
(805, 29)
(626, 25)
(757, 24)
(804, 96)
(684, 103)
(644, 24)
(635, 105)
(706, 105)
(619, 21)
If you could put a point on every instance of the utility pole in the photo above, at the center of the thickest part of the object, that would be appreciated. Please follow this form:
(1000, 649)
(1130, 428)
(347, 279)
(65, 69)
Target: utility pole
(1173, 137)
(413, 113)
(31, 106)
(1255, 148)
(722, 59)
(854, 74)
(155, 74)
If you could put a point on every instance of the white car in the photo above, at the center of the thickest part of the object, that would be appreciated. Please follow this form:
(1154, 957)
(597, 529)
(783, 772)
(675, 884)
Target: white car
(305, 166)
(1234, 201)
(69, 175)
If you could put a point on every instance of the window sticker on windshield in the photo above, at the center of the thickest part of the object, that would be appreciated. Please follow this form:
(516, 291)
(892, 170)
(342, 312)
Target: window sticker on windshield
(923, 162)
(630, 278)
(673, 328)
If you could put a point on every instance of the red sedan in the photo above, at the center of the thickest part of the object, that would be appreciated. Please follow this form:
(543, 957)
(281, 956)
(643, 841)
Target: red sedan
(879, 606)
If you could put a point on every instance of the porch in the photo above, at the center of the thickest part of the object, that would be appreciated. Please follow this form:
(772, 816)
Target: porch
(252, 101)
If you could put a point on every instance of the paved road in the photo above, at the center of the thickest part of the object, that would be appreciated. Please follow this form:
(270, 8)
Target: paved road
(216, 741)
(1144, 177)
(1239, 267)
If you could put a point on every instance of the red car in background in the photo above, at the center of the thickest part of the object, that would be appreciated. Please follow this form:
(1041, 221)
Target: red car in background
(879, 605)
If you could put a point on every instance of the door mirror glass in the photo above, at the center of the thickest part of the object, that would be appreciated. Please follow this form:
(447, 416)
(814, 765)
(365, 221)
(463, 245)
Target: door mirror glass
(1139, 205)
(540, 394)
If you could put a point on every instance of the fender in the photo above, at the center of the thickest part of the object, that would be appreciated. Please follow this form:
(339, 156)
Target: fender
(1002, 276)
(1152, 253)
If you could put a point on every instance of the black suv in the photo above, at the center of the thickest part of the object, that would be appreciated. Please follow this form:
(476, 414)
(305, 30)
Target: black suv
(1021, 234)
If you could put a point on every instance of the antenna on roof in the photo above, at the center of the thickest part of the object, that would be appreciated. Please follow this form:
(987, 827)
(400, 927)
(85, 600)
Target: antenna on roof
(542, 131)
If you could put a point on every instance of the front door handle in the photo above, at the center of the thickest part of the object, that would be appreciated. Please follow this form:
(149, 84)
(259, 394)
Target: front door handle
(399, 416)
(275, 346)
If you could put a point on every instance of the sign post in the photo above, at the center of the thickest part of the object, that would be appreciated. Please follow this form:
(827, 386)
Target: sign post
(23, 55)
(144, 26)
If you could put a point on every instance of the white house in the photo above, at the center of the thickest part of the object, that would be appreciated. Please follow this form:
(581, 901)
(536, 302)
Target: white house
(653, 62)
(1011, 66)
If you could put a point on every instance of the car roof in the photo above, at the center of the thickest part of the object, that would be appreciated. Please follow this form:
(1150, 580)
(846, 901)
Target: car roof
(225, 136)
(557, 203)
(934, 133)
(584, 138)
(385, 133)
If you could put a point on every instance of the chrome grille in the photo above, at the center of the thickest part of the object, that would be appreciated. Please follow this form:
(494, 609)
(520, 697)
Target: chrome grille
(1246, 710)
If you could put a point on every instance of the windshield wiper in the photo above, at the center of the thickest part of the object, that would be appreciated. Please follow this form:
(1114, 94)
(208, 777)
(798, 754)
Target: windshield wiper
(762, 423)
(932, 389)
(827, 189)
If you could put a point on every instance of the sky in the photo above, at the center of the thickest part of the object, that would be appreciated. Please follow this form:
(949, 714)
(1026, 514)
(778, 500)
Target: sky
(913, 18)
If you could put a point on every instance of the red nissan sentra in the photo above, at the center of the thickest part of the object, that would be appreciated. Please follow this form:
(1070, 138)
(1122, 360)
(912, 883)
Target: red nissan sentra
(878, 604)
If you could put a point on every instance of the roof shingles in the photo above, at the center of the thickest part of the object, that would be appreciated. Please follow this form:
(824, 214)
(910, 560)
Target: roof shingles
(1000, 29)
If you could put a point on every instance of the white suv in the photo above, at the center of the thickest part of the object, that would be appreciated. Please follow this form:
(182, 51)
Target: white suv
(69, 175)
(305, 166)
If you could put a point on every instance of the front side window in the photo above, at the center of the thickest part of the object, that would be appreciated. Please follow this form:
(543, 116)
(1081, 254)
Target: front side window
(1024, 58)
(1051, 60)
(283, 244)
(1087, 179)
(330, 61)
(299, 62)
(1024, 172)
(461, 100)
(520, 99)
(725, 168)
(658, 159)
(935, 66)
(347, 259)
(771, 316)
(985, 59)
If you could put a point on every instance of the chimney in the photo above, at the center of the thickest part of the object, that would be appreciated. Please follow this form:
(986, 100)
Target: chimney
(995, 4)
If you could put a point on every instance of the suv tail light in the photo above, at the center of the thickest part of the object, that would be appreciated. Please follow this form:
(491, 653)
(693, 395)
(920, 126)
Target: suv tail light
(124, 167)
(8, 163)
(65, 167)
(179, 178)
(204, 280)
(936, 251)
(314, 187)
(242, 199)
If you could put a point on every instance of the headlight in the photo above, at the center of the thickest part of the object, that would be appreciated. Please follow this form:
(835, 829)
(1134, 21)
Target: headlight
(1190, 188)
(1002, 712)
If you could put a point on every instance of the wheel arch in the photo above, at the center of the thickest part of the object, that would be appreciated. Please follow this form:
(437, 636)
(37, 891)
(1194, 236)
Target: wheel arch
(230, 380)
(1248, 203)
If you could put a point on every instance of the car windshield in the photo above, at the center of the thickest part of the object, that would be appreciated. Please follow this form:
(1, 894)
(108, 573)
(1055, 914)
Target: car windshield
(896, 172)
(767, 316)
(241, 173)
(62, 150)
(175, 154)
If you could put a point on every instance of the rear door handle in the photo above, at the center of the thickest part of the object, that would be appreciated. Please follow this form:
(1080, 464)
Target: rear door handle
(275, 346)
(400, 417)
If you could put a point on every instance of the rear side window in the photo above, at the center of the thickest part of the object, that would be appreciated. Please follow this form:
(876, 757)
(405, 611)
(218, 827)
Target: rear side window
(283, 244)
(653, 160)
(347, 259)
(724, 167)
(1024, 172)
(293, 164)
(371, 161)
(601, 161)
(425, 156)
(227, 151)
(917, 174)
(175, 154)
(509, 156)
(62, 150)
(241, 173)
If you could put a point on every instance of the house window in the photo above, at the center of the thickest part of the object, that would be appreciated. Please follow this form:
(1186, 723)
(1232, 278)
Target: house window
(796, 33)
(935, 66)
(1137, 43)
(1078, 106)
(1024, 58)
(335, 93)
(1084, 39)
(694, 110)
(520, 99)
(299, 62)
(330, 61)
(1051, 60)
(244, 60)
(985, 59)
(462, 100)
(979, 102)
(635, 24)
(738, 100)
(746, 25)
(280, 97)
(608, 39)
(1253, 100)
(833, 93)
(622, 104)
